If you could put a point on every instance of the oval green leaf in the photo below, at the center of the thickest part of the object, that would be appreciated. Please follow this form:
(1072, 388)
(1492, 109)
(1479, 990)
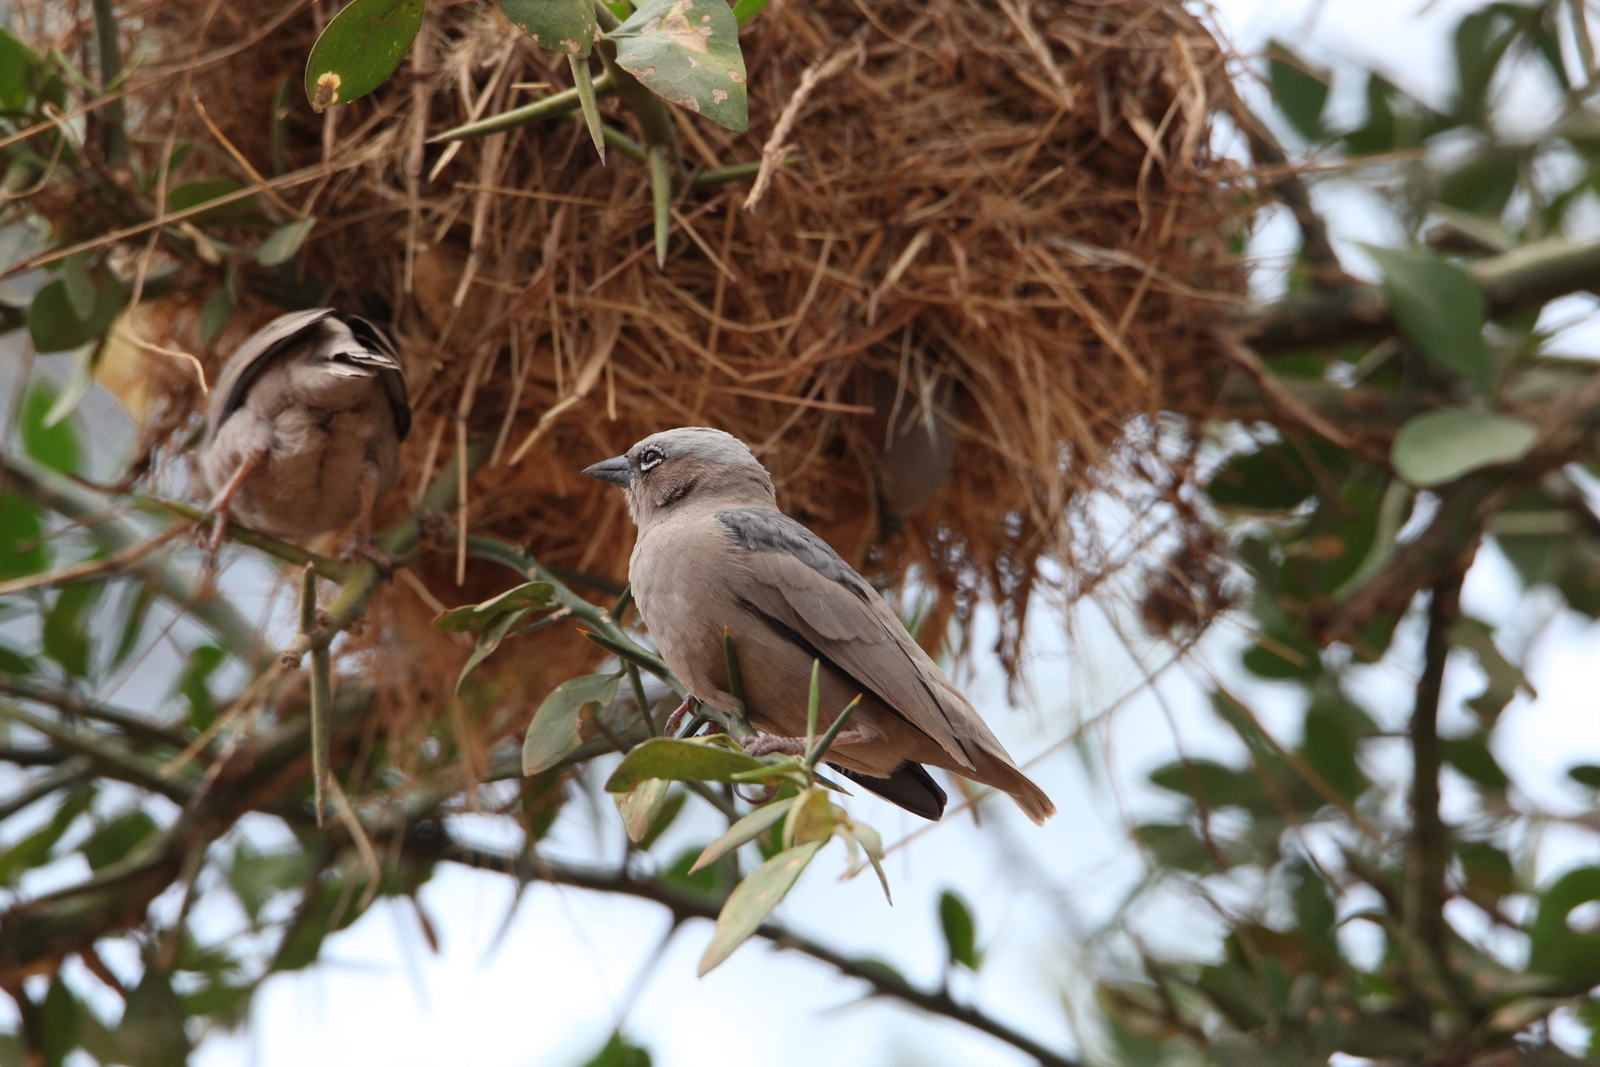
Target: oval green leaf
(641, 805)
(565, 25)
(960, 932)
(284, 242)
(744, 831)
(753, 899)
(1440, 446)
(680, 760)
(359, 49)
(553, 733)
(687, 52)
(1440, 309)
(55, 326)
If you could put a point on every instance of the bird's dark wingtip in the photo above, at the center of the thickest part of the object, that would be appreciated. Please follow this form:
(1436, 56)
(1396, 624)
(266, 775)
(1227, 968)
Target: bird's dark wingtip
(910, 787)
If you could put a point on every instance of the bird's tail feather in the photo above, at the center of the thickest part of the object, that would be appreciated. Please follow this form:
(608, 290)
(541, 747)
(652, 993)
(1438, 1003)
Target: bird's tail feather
(1001, 773)
(909, 786)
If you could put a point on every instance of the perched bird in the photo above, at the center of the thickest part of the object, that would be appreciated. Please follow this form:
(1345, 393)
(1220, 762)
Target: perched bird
(305, 427)
(714, 553)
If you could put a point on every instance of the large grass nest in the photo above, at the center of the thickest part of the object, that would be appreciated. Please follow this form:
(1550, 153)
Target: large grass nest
(1002, 221)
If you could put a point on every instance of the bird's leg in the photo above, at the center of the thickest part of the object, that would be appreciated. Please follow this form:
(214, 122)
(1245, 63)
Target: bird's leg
(763, 744)
(219, 505)
(675, 720)
(362, 545)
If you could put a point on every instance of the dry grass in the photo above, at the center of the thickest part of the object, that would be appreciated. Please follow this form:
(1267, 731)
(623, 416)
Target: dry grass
(1011, 206)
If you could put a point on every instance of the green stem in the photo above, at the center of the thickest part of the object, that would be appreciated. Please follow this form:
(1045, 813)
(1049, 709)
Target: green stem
(331, 569)
(113, 115)
(553, 106)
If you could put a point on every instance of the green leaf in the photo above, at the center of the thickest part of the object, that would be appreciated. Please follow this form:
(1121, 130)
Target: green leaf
(77, 387)
(1441, 310)
(55, 446)
(65, 637)
(1484, 183)
(1218, 786)
(1504, 677)
(565, 25)
(619, 1053)
(752, 900)
(1585, 774)
(281, 245)
(17, 62)
(488, 642)
(665, 816)
(55, 326)
(1440, 446)
(1274, 478)
(475, 618)
(1471, 756)
(697, 760)
(215, 314)
(202, 190)
(22, 551)
(687, 53)
(359, 49)
(553, 733)
(1175, 846)
(746, 10)
(1301, 90)
(80, 287)
(745, 830)
(193, 684)
(1555, 948)
(960, 932)
(257, 877)
(34, 850)
(117, 839)
(1488, 870)
(60, 1022)
(1331, 752)
(152, 1028)
(14, 662)
(641, 806)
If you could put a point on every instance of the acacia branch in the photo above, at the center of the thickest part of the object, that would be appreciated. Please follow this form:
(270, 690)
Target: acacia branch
(1427, 853)
(685, 905)
(1523, 278)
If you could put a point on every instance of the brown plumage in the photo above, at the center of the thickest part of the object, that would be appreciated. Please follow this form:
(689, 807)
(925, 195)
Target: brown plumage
(305, 425)
(715, 552)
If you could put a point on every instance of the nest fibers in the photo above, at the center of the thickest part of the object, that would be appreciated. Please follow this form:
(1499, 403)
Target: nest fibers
(1001, 222)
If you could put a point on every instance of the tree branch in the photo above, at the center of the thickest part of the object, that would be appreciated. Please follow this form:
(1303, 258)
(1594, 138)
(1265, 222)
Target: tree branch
(683, 905)
(1428, 851)
(1519, 279)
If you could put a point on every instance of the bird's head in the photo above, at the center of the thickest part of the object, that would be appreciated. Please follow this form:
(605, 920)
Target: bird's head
(690, 467)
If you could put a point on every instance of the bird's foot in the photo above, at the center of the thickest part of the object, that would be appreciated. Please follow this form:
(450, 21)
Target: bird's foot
(765, 744)
(675, 720)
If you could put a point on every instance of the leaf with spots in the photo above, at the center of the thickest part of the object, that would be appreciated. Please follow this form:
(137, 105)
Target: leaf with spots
(687, 53)
(359, 49)
(564, 25)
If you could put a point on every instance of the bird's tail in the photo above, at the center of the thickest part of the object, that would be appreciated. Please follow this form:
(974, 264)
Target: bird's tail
(998, 771)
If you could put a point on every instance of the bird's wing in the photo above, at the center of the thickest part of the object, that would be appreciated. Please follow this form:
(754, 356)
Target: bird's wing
(792, 579)
(254, 356)
(389, 373)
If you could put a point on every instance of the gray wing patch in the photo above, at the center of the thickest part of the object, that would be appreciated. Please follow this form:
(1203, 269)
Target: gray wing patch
(765, 530)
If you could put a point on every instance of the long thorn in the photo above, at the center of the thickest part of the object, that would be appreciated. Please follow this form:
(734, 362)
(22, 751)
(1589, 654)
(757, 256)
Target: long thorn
(661, 195)
(812, 701)
(814, 756)
(591, 110)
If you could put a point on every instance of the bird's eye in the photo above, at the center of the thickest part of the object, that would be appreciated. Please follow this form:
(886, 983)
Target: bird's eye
(649, 458)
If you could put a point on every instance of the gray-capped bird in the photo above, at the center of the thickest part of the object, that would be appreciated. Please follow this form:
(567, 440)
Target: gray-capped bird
(305, 427)
(715, 552)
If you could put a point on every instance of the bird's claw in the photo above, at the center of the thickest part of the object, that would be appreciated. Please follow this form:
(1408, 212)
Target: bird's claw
(675, 720)
(363, 548)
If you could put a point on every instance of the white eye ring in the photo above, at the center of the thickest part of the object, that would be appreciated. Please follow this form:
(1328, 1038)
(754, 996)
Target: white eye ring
(650, 459)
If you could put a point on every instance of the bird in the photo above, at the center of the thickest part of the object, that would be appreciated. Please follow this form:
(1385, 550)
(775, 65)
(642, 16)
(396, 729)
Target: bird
(304, 428)
(716, 556)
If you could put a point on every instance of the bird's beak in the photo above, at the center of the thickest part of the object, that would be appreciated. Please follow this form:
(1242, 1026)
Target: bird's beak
(616, 470)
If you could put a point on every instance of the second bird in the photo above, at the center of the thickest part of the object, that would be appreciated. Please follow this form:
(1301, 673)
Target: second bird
(305, 427)
(714, 553)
